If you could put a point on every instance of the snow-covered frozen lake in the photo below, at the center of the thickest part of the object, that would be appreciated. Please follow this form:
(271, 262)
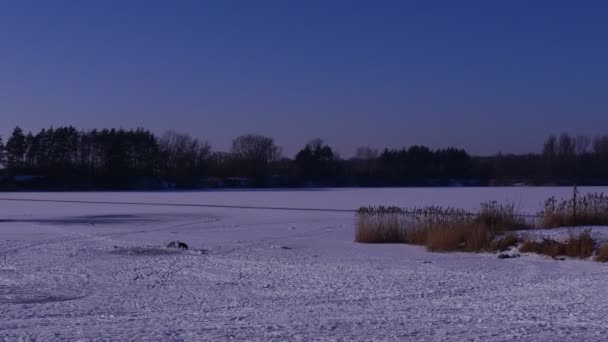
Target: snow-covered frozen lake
(91, 271)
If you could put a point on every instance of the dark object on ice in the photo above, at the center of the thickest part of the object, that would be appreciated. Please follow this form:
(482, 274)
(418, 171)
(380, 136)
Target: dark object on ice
(286, 247)
(177, 244)
(559, 258)
(508, 256)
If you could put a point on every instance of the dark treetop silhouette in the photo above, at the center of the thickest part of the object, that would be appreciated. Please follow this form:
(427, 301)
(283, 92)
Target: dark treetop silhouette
(66, 158)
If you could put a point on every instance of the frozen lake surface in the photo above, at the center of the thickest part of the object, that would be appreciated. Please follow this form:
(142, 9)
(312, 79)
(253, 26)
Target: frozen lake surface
(82, 271)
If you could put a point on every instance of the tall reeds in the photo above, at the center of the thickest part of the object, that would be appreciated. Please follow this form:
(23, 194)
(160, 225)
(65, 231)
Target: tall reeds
(587, 210)
(437, 228)
(491, 228)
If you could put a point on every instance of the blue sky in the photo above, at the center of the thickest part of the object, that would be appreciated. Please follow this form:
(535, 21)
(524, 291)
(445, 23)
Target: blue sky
(487, 76)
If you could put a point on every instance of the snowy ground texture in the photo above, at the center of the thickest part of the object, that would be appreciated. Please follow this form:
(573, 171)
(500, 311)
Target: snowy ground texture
(93, 272)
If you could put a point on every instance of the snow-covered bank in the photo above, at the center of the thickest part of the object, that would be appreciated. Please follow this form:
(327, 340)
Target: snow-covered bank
(598, 234)
(99, 272)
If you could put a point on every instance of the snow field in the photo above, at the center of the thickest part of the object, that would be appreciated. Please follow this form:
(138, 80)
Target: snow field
(100, 273)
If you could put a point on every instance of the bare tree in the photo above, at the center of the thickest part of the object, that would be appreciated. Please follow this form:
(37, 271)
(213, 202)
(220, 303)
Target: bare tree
(582, 143)
(185, 157)
(566, 145)
(550, 147)
(600, 145)
(253, 155)
(258, 148)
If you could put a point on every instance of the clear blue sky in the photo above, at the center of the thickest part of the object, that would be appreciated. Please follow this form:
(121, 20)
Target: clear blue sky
(482, 75)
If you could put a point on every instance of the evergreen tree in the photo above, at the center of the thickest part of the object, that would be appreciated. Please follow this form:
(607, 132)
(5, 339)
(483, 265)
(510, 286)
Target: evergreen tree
(2, 154)
(315, 162)
(30, 146)
(15, 149)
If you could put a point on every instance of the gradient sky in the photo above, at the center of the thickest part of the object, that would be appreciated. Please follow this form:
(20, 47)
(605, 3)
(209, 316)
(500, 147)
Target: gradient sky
(487, 76)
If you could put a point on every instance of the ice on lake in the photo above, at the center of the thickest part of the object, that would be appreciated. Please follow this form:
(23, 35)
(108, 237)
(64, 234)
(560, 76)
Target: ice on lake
(84, 271)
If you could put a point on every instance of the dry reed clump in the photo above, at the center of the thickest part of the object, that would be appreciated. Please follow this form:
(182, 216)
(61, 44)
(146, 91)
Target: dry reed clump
(587, 210)
(379, 225)
(443, 229)
(580, 246)
(436, 227)
(498, 217)
(459, 236)
(439, 229)
(548, 247)
(444, 239)
(602, 254)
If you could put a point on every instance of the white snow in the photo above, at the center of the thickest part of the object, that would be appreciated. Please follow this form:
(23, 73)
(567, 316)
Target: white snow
(75, 271)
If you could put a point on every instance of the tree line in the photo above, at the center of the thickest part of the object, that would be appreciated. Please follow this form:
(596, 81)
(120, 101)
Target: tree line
(563, 160)
(67, 158)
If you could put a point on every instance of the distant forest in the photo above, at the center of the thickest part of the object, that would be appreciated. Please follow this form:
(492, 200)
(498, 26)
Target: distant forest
(65, 158)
